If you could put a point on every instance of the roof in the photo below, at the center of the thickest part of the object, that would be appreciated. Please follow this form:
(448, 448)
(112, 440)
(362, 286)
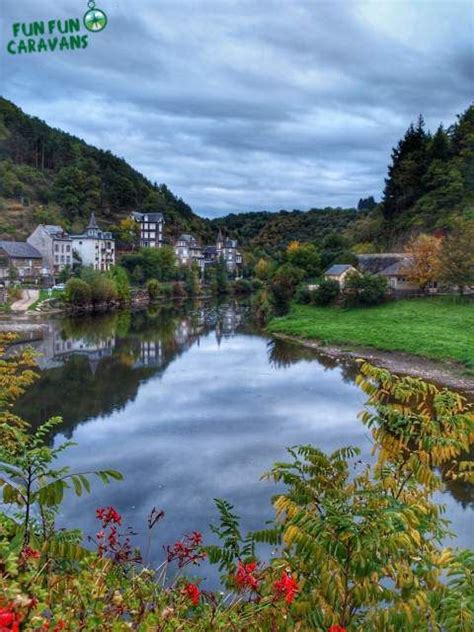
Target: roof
(375, 263)
(339, 268)
(186, 237)
(92, 222)
(152, 217)
(396, 268)
(20, 250)
(53, 229)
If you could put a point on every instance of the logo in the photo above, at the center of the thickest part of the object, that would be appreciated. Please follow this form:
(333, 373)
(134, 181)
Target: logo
(56, 35)
(95, 19)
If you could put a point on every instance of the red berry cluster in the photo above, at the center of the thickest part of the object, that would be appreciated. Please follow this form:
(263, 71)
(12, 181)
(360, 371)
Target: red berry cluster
(9, 620)
(108, 539)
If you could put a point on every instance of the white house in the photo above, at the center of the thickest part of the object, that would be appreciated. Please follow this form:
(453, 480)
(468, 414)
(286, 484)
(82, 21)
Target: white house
(55, 246)
(339, 272)
(95, 247)
(151, 229)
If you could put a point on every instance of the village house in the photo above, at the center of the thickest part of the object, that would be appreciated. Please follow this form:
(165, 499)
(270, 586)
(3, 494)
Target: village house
(20, 261)
(95, 247)
(151, 228)
(226, 250)
(188, 251)
(392, 266)
(339, 272)
(55, 246)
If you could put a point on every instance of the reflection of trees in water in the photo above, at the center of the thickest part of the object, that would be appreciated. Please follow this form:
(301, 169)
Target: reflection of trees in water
(109, 355)
(461, 491)
(283, 353)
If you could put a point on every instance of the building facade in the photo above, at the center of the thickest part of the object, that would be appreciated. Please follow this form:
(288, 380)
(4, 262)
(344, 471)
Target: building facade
(55, 246)
(20, 261)
(340, 272)
(226, 250)
(95, 247)
(189, 251)
(151, 229)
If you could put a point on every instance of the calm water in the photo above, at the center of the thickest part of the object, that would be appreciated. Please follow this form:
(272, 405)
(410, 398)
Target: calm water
(191, 404)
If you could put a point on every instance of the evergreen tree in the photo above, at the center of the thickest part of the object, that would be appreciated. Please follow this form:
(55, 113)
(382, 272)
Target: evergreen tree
(403, 186)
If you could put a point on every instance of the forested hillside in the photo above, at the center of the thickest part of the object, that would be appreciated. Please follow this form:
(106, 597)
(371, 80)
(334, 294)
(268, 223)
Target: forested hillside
(274, 231)
(430, 180)
(48, 175)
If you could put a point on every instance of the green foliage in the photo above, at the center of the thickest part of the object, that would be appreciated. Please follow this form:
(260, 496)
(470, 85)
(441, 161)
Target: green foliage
(262, 308)
(430, 180)
(326, 293)
(102, 287)
(153, 289)
(151, 263)
(122, 283)
(283, 286)
(305, 257)
(456, 258)
(364, 290)
(78, 292)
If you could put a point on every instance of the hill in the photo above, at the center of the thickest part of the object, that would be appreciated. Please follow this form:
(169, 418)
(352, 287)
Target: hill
(47, 175)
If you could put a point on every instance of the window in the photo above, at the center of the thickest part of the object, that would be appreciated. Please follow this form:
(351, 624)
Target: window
(68, 248)
(56, 247)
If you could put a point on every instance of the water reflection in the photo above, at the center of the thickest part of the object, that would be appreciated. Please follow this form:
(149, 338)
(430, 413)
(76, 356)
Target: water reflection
(191, 403)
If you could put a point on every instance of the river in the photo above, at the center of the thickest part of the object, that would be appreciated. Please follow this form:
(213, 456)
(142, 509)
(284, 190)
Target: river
(191, 403)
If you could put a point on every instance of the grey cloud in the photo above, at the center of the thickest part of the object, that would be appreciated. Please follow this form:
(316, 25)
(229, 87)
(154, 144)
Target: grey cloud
(240, 105)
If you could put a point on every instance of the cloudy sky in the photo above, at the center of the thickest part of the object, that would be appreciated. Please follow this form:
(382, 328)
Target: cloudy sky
(243, 105)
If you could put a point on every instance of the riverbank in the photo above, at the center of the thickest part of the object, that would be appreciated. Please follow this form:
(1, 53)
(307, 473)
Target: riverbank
(428, 338)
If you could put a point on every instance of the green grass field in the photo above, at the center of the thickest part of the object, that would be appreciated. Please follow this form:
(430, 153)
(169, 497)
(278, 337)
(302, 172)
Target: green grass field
(436, 328)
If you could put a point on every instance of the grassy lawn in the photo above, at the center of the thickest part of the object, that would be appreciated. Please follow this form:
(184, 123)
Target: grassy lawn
(43, 296)
(435, 328)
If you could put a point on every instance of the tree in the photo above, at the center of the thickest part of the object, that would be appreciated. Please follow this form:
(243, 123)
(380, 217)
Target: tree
(423, 264)
(409, 162)
(122, 283)
(283, 286)
(78, 292)
(263, 269)
(221, 279)
(128, 232)
(364, 289)
(326, 293)
(305, 257)
(456, 257)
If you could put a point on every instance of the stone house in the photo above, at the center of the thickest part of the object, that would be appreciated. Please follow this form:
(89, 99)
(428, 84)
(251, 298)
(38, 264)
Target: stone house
(55, 246)
(20, 261)
(227, 250)
(189, 251)
(151, 228)
(339, 272)
(392, 266)
(95, 247)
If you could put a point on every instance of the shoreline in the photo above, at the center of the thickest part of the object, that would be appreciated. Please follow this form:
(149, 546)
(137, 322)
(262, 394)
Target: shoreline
(441, 373)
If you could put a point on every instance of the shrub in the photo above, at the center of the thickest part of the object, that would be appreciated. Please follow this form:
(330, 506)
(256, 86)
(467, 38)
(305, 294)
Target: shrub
(364, 290)
(78, 292)
(103, 289)
(284, 283)
(303, 295)
(326, 293)
(178, 290)
(153, 289)
(262, 309)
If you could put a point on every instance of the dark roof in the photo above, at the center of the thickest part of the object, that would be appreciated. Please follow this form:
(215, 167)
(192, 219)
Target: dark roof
(20, 250)
(92, 222)
(210, 250)
(396, 268)
(338, 268)
(375, 263)
(152, 217)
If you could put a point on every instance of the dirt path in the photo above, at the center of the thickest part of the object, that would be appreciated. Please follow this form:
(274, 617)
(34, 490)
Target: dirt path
(28, 298)
(447, 374)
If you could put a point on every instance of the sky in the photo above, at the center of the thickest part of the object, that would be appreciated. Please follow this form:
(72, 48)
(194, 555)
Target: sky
(246, 105)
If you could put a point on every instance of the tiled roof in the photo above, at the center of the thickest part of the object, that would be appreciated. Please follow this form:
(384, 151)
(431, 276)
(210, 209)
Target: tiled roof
(375, 263)
(20, 250)
(396, 268)
(338, 268)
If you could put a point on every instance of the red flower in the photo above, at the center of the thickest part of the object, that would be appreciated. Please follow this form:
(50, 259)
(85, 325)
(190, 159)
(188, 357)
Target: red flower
(244, 577)
(336, 628)
(186, 551)
(9, 620)
(108, 515)
(285, 587)
(28, 553)
(193, 593)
